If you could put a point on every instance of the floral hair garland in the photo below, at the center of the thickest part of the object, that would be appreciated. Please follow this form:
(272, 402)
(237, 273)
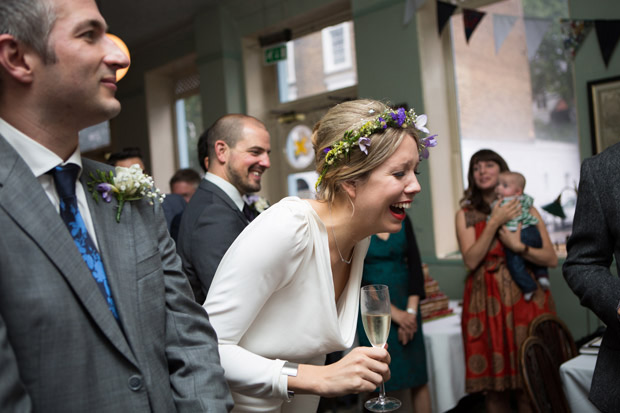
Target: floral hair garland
(399, 118)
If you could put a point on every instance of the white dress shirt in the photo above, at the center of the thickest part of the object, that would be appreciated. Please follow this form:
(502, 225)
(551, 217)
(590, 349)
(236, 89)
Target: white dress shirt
(41, 160)
(227, 187)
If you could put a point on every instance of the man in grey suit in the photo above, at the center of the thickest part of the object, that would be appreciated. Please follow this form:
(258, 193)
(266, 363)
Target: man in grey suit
(593, 245)
(98, 318)
(236, 152)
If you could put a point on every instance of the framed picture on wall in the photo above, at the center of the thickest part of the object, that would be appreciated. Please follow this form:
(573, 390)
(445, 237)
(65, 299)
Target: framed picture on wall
(604, 99)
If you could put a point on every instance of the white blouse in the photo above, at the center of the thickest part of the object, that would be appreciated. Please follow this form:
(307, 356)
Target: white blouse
(272, 300)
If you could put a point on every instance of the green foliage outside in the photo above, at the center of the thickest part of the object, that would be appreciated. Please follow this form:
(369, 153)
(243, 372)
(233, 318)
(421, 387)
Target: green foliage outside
(551, 73)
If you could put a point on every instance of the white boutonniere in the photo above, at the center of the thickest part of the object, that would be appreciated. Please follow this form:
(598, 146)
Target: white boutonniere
(259, 203)
(128, 184)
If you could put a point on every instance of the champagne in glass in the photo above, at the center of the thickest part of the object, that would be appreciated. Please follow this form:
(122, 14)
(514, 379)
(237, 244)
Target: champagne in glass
(376, 317)
(377, 327)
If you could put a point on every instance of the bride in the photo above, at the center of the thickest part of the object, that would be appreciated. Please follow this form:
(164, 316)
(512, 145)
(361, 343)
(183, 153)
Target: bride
(287, 291)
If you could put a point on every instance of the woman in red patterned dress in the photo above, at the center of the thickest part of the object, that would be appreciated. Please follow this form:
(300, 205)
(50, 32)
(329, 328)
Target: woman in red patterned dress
(495, 315)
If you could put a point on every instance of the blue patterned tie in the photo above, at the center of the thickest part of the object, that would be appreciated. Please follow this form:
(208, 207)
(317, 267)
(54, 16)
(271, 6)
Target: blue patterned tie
(65, 178)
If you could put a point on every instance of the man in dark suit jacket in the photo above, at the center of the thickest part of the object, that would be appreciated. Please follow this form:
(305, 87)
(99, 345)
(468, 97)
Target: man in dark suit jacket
(593, 245)
(236, 152)
(138, 344)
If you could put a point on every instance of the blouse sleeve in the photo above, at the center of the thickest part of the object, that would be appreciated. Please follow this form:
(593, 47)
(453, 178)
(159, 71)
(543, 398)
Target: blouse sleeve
(263, 259)
(414, 262)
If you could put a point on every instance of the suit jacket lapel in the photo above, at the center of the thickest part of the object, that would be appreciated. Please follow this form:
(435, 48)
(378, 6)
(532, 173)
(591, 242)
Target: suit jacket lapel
(217, 191)
(18, 189)
(116, 242)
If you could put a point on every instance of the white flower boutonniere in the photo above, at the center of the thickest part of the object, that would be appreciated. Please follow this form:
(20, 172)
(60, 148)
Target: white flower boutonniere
(129, 184)
(259, 203)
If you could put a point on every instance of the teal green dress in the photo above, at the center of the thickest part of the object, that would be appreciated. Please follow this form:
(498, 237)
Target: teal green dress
(398, 266)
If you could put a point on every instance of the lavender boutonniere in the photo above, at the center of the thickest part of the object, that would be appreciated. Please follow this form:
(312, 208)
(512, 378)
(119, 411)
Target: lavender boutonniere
(259, 203)
(128, 184)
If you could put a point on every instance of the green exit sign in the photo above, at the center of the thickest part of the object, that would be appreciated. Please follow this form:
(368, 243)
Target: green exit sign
(275, 54)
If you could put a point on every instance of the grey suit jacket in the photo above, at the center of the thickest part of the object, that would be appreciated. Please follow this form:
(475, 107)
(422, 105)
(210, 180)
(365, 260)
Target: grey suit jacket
(210, 224)
(61, 350)
(594, 243)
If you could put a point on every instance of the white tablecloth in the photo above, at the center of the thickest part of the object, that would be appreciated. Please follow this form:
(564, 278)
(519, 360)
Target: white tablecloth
(445, 360)
(576, 375)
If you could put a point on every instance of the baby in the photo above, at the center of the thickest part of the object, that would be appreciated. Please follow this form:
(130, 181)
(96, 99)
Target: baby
(511, 185)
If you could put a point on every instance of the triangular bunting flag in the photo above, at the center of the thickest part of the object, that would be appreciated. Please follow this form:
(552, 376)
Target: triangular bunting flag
(411, 7)
(575, 32)
(535, 29)
(502, 25)
(471, 19)
(608, 32)
(444, 11)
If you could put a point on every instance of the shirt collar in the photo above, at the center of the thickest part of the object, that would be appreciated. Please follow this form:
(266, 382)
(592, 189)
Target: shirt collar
(227, 187)
(39, 159)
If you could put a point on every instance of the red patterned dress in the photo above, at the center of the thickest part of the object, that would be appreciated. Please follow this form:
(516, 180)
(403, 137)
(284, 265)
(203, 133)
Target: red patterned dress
(495, 319)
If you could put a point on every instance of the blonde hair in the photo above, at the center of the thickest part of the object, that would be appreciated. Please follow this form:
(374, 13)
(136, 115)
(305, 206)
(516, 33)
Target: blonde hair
(357, 166)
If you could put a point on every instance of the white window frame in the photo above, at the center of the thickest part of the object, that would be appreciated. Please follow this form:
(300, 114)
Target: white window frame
(329, 65)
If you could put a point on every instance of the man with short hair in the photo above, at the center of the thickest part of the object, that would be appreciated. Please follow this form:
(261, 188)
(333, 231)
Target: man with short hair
(184, 182)
(127, 157)
(236, 150)
(95, 314)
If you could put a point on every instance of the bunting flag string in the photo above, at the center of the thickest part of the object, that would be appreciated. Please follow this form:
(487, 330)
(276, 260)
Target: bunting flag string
(607, 32)
(535, 29)
(502, 25)
(411, 7)
(471, 19)
(444, 12)
(575, 32)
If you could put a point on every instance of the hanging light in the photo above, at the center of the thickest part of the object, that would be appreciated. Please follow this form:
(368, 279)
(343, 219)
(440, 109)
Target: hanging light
(555, 208)
(120, 73)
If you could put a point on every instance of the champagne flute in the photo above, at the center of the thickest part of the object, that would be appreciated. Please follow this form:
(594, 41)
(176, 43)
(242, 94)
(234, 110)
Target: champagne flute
(377, 317)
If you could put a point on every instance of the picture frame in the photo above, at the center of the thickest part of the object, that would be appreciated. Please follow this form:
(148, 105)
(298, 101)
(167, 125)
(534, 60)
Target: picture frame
(604, 102)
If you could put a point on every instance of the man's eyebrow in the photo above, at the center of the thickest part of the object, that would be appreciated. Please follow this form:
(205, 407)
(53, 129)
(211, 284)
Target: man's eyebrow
(258, 148)
(93, 23)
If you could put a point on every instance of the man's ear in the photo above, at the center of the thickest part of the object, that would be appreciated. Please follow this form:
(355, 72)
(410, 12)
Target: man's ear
(221, 151)
(16, 59)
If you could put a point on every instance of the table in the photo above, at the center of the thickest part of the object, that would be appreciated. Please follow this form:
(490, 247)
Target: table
(576, 375)
(445, 360)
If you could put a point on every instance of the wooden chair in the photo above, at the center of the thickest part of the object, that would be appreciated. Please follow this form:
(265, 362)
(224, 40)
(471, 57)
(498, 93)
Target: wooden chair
(541, 377)
(556, 336)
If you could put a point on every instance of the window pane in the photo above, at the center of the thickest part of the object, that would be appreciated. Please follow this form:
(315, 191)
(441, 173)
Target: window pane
(523, 108)
(332, 53)
(189, 128)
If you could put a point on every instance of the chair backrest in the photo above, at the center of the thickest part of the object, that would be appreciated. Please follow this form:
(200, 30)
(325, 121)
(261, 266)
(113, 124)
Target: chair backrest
(541, 377)
(556, 336)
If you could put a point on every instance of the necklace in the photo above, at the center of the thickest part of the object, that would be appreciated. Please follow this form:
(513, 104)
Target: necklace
(336, 241)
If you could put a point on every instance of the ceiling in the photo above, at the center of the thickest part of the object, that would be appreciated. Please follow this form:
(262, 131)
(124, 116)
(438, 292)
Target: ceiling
(139, 22)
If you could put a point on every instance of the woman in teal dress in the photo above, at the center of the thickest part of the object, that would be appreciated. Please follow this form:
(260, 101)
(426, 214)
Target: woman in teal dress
(394, 260)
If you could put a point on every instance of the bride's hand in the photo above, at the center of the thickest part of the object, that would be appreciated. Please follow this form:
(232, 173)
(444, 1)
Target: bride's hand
(362, 370)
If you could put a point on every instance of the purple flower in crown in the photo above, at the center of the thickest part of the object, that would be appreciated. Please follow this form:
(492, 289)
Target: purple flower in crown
(402, 116)
(426, 143)
(105, 190)
(327, 149)
(383, 122)
(364, 144)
